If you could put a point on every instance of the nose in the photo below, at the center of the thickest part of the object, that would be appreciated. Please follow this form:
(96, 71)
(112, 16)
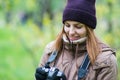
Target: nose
(72, 30)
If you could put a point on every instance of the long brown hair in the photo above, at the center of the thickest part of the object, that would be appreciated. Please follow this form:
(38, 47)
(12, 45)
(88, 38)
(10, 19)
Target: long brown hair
(93, 48)
(58, 41)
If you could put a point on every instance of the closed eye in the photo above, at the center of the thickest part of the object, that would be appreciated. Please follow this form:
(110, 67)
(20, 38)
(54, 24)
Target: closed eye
(67, 25)
(79, 26)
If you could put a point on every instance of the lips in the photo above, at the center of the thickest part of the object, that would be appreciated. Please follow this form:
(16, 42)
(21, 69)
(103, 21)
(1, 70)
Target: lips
(72, 39)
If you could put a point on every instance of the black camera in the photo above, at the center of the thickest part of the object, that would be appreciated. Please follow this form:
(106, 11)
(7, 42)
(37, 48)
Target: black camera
(49, 73)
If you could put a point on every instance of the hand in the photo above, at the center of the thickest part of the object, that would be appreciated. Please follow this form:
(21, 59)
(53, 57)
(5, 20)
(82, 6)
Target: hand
(40, 74)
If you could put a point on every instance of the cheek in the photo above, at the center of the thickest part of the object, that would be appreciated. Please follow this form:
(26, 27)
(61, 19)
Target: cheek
(82, 32)
(66, 29)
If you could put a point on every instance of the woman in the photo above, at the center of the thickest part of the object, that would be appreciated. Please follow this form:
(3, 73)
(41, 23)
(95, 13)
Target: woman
(77, 39)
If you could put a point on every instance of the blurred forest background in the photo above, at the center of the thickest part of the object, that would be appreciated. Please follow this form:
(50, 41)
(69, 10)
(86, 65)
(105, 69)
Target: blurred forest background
(26, 26)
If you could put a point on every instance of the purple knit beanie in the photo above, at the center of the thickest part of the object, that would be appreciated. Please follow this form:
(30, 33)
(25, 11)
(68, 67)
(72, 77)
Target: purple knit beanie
(82, 11)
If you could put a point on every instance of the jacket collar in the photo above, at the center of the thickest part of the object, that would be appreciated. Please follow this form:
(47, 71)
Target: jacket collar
(77, 46)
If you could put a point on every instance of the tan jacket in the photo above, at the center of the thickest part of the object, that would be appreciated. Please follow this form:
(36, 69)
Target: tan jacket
(105, 67)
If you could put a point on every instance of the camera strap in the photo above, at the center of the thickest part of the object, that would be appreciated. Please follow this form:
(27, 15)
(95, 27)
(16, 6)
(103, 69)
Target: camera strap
(51, 58)
(83, 69)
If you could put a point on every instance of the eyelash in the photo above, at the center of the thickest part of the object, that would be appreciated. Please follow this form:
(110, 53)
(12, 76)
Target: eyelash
(79, 26)
(67, 25)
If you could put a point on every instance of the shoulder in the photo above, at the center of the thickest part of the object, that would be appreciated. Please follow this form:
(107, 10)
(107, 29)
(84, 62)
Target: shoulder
(106, 58)
(49, 47)
(47, 51)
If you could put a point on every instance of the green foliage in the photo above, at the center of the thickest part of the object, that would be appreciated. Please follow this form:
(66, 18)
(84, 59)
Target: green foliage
(14, 61)
(21, 48)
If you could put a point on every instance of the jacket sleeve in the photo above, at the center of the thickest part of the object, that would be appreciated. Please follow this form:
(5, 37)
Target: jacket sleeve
(48, 50)
(108, 69)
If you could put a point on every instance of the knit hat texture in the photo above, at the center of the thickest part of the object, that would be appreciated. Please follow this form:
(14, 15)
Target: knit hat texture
(83, 11)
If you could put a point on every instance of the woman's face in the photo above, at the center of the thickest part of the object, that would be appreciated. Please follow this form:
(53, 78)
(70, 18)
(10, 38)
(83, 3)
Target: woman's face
(75, 30)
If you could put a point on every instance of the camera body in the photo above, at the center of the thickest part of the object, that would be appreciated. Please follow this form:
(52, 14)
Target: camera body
(52, 73)
(49, 73)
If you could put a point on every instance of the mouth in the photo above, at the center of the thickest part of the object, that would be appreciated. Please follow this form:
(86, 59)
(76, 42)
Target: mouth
(73, 39)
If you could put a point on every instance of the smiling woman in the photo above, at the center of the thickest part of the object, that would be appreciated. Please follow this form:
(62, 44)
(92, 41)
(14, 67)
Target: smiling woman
(74, 30)
(67, 54)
